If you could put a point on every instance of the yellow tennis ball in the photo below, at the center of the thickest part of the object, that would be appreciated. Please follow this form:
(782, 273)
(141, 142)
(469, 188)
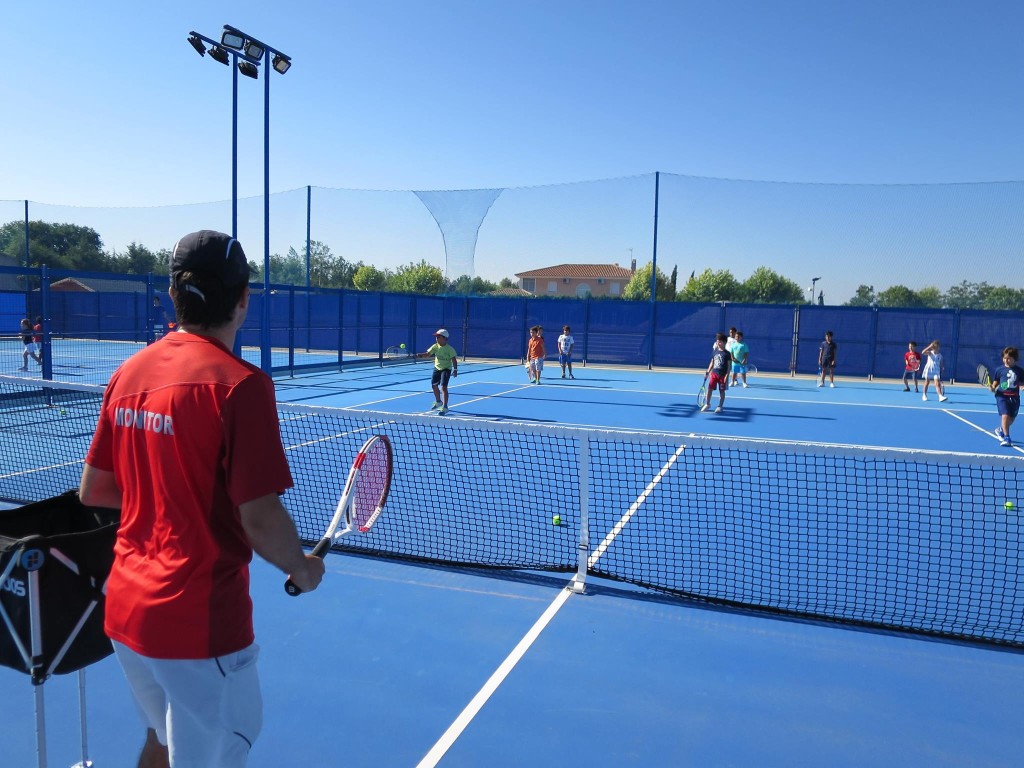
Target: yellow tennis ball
(402, 346)
(1008, 505)
(556, 519)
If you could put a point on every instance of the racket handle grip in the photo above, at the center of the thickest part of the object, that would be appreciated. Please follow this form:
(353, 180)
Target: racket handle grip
(318, 551)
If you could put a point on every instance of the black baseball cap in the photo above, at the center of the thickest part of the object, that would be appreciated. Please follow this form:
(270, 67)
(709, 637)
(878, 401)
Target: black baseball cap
(211, 253)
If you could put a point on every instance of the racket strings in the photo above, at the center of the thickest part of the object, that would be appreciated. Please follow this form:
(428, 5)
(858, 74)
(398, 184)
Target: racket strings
(374, 479)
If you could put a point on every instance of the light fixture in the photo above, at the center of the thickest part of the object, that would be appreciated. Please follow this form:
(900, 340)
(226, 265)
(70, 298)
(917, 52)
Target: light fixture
(232, 38)
(248, 69)
(254, 49)
(281, 63)
(195, 42)
(219, 54)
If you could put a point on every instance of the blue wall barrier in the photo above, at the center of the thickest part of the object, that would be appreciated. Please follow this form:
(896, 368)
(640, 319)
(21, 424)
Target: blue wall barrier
(349, 325)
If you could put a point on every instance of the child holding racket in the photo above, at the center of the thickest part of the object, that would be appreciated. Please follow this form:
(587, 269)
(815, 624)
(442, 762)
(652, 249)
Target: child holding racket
(535, 354)
(911, 365)
(718, 372)
(1006, 387)
(739, 351)
(446, 365)
(933, 370)
(28, 345)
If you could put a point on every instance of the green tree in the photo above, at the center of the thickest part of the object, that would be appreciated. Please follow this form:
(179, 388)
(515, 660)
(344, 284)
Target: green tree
(138, 260)
(467, 286)
(369, 278)
(863, 297)
(898, 296)
(967, 295)
(417, 278)
(1003, 297)
(639, 286)
(765, 286)
(930, 297)
(710, 285)
(288, 270)
(64, 246)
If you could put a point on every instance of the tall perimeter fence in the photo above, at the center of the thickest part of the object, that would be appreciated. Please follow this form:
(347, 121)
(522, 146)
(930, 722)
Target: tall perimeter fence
(838, 236)
(96, 329)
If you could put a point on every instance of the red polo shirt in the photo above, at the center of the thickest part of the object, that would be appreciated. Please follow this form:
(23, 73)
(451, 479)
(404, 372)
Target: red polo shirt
(190, 432)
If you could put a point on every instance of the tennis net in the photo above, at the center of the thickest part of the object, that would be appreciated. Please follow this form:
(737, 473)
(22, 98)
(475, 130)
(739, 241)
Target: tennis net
(910, 540)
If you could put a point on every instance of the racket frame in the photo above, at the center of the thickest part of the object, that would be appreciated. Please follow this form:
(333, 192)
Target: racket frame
(342, 524)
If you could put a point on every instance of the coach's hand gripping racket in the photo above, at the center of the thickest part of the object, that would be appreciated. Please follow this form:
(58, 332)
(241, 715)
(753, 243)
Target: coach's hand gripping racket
(362, 501)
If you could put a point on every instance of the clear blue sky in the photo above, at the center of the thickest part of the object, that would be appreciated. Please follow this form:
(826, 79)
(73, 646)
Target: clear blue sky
(107, 105)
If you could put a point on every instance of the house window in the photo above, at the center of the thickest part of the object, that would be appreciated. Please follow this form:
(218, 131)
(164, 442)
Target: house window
(600, 281)
(565, 280)
(552, 286)
(529, 284)
(614, 289)
(582, 291)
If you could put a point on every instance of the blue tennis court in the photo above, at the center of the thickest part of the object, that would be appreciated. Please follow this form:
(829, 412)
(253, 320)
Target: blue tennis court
(394, 662)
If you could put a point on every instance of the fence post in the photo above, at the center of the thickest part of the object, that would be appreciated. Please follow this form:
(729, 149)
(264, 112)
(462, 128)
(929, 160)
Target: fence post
(44, 307)
(793, 355)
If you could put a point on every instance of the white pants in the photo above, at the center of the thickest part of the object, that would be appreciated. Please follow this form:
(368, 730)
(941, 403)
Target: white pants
(207, 711)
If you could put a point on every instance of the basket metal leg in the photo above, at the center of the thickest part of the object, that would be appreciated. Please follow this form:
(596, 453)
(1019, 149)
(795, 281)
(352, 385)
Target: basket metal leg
(85, 762)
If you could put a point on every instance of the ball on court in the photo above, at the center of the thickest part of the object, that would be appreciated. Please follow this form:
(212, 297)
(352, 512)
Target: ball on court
(1008, 505)
(401, 346)
(62, 412)
(556, 519)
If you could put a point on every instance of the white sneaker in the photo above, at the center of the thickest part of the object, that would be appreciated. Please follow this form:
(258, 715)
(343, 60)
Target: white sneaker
(821, 383)
(924, 397)
(718, 409)
(832, 384)
(744, 385)
(704, 407)
(943, 398)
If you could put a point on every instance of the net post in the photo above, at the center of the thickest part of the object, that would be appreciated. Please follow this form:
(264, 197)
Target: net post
(580, 581)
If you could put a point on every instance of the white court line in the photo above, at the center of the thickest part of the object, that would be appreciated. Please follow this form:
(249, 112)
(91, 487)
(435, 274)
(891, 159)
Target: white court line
(471, 710)
(42, 469)
(980, 429)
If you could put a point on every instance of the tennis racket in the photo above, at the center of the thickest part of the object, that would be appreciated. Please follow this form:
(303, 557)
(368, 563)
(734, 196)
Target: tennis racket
(984, 375)
(751, 370)
(702, 393)
(362, 502)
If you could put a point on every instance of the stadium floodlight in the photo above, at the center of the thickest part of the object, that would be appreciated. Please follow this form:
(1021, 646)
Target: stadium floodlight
(282, 63)
(195, 42)
(254, 49)
(232, 38)
(219, 54)
(249, 70)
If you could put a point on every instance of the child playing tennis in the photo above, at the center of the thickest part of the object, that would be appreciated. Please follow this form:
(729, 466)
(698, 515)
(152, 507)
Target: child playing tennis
(718, 372)
(911, 365)
(446, 365)
(535, 354)
(740, 352)
(1006, 386)
(933, 370)
(827, 360)
(29, 345)
(565, 344)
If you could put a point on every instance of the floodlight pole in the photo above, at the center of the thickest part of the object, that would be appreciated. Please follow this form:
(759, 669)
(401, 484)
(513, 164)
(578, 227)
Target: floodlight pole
(235, 56)
(244, 40)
